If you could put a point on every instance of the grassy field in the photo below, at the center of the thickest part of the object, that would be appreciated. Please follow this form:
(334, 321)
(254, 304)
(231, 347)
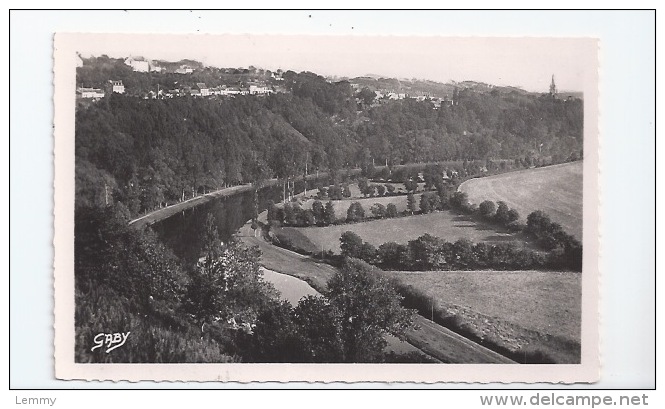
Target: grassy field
(556, 190)
(518, 310)
(445, 224)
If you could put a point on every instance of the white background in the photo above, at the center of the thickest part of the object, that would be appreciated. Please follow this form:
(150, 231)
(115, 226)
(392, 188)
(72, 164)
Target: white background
(627, 106)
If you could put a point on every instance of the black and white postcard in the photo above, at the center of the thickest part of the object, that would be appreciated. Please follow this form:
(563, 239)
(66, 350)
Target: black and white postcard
(326, 208)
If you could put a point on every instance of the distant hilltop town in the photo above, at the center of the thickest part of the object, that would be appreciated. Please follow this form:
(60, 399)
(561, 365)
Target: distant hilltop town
(155, 79)
(140, 77)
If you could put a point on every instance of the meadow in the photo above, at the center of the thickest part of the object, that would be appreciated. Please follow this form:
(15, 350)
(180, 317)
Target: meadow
(556, 190)
(518, 310)
(447, 225)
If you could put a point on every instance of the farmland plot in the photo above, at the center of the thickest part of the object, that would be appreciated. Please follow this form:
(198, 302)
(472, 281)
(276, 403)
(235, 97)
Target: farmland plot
(556, 190)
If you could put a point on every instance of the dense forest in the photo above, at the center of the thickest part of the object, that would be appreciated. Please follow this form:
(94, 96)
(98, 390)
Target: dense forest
(147, 152)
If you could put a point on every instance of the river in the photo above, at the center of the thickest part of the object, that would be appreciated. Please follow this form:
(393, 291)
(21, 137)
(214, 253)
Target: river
(290, 288)
(182, 231)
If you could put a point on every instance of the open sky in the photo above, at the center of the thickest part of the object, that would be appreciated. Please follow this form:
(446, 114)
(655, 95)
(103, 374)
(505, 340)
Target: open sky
(528, 63)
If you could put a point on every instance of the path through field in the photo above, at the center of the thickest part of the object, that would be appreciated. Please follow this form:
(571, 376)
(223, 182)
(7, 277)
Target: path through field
(556, 190)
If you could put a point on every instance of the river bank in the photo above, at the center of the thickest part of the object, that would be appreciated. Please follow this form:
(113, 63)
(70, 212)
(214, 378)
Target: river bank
(168, 211)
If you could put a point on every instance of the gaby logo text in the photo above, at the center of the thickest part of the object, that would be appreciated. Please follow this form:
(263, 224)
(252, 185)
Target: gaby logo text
(111, 341)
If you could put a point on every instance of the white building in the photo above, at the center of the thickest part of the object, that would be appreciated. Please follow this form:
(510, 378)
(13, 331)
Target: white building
(229, 91)
(396, 96)
(184, 69)
(118, 87)
(138, 64)
(90, 92)
(205, 91)
(261, 90)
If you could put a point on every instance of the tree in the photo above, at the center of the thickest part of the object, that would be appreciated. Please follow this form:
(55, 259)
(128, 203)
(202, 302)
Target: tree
(390, 189)
(351, 244)
(367, 253)
(319, 212)
(346, 192)
(318, 322)
(428, 252)
(335, 192)
(443, 199)
(501, 215)
(410, 185)
(306, 218)
(464, 255)
(363, 185)
(391, 210)
(368, 190)
(393, 255)
(425, 206)
(512, 216)
(229, 286)
(380, 190)
(366, 95)
(329, 214)
(434, 201)
(369, 308)
(276, 337)
(355, 213)
(378, 210)
(487, 209)
(460, 201)
(538, 222)
(411, 203)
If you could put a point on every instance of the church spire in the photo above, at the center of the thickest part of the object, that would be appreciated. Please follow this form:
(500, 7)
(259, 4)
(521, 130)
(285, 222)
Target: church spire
(553, 90)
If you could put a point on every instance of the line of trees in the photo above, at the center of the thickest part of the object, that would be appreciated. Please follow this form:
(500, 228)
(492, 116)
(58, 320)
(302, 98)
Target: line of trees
(293, 215)
(433, 253)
